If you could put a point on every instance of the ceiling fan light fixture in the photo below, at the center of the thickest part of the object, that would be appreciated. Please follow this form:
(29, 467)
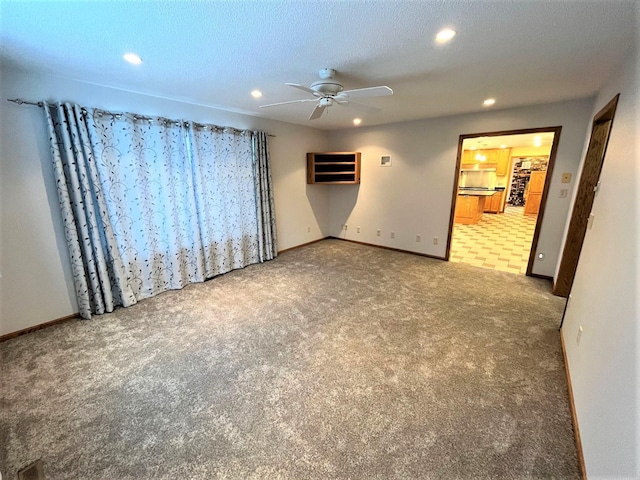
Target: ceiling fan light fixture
(256, 93)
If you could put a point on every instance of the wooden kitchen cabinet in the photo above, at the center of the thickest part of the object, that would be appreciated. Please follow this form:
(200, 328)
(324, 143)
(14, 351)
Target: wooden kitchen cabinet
(469, 209)
(504, 161)
(492, 156)
(534, 196)
(497, 158)
(493, 204)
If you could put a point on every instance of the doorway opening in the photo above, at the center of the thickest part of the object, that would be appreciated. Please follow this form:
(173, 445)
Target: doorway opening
(499, 196)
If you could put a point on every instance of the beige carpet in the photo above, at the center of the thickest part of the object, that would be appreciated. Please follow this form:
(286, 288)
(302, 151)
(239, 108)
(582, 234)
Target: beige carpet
(334, 361)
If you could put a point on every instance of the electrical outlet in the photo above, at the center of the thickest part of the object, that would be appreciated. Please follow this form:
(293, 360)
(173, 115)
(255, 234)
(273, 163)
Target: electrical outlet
(344, 227)
(566, 177)
(563, 193)
(579, 336)
(435, 240)
(418, 238)
(308, 229)
(378, 232)
(357, 229)
(393, 234)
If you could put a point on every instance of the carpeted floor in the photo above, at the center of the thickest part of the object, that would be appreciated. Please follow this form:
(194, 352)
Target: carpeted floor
(334, 361)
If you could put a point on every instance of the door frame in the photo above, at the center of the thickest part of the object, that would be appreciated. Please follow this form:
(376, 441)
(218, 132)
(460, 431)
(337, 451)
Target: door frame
(547, 181)
(585, 194)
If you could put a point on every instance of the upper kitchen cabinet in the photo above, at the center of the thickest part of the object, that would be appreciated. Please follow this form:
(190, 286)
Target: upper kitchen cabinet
(504, 159)
(497, 158)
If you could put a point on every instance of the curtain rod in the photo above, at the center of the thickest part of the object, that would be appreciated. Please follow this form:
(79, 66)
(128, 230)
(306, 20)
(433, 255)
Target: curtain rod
(20, 101)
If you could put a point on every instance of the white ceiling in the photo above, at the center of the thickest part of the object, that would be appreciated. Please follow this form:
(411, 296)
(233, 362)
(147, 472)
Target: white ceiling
(216, 52)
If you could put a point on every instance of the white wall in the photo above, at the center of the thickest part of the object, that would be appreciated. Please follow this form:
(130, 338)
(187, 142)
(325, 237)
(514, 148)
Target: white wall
(413, 196)
(605, 365)
(36, 284)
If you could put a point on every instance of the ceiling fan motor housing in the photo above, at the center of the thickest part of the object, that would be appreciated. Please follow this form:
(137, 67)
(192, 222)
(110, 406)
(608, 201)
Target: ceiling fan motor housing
(326, 87)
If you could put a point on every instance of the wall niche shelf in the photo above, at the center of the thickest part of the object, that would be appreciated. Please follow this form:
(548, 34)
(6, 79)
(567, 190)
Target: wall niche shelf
(333, 168)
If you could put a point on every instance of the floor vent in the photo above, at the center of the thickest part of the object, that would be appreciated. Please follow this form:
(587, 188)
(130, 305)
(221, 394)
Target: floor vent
(32, 472)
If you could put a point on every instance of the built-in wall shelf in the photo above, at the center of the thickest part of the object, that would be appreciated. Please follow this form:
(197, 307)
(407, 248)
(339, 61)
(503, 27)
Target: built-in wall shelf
(333, 168)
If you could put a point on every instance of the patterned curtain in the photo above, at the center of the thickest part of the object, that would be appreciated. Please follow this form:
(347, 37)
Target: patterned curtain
(98, 272)
(145, 175)
(264, 192)
(150, 205)
(223, 179)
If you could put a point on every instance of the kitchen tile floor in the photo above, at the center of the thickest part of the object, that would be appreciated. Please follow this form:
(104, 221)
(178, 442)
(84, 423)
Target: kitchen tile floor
(498, 241)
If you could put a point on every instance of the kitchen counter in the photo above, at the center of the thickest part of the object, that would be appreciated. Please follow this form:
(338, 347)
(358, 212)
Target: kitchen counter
(479, 192)
(470, 205)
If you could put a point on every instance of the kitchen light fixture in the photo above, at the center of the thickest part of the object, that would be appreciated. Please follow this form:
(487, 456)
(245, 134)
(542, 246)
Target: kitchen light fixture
(357, 121)
(132, 58)
(445, 35)
(256, 94)
(488, 102)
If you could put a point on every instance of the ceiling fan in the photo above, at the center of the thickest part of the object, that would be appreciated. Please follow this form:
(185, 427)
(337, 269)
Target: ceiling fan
(327, 92)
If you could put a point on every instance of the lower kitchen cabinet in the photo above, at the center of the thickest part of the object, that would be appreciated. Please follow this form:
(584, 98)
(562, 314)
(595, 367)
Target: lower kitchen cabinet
(493, 204)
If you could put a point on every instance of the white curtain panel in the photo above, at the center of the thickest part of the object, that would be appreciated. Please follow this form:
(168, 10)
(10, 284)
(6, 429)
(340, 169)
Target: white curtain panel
(223, 177)
(150, 204)
(145, 176)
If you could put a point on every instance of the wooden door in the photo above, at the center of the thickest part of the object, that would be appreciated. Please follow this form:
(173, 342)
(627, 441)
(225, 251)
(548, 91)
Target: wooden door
(594, 160)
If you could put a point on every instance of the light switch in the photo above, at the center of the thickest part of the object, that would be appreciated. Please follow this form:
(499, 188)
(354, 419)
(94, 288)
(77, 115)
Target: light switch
(566, 177)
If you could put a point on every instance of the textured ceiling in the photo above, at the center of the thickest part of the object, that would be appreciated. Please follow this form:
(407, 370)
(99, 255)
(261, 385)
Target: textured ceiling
(215, 53)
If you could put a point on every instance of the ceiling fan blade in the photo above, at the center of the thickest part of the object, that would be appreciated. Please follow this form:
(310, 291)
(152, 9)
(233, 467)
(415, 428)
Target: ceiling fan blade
(304, 100)
(362, 107)
(303, 88)
(317, 112)
(368, 92)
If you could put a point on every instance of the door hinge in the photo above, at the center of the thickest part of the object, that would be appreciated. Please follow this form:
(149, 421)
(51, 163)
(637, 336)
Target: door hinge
(596, 187)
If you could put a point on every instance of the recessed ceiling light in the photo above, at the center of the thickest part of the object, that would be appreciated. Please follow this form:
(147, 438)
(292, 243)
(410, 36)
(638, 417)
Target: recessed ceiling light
(445, 35)
(537, 141)
(132, 58)
(357, 121)
(503, 146)
(256, 94)
(488, 102)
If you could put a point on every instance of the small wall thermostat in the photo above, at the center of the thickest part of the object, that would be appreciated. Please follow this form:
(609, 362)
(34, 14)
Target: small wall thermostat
(385, 161)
